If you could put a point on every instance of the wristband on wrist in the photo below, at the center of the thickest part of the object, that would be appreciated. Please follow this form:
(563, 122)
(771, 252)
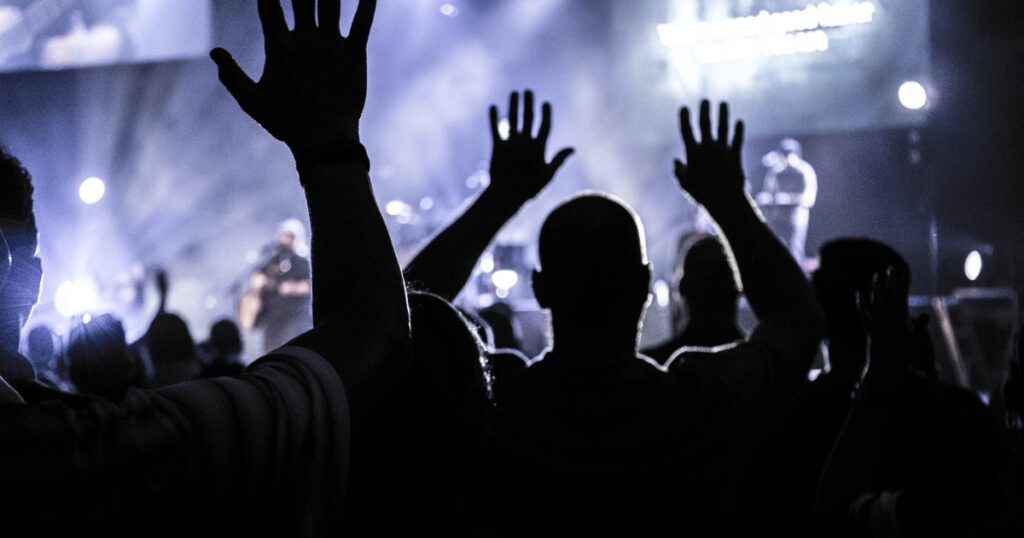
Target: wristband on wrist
(334, 153)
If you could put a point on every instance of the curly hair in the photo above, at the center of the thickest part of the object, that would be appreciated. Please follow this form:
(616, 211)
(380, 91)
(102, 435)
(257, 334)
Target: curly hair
(15, 190)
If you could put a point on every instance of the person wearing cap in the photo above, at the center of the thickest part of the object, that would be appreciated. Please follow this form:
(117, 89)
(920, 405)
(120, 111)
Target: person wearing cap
(789, 192)
(284, 288)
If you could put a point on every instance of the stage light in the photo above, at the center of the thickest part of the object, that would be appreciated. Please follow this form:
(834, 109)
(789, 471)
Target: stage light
(504, 128)
(76, 297)
(662, 293)
(397, 207)
(505, 279)
(92, 190)
(487, 262)
(427, 203)
(973, 265)
(87, 319)
(449, 10)
(913, 95)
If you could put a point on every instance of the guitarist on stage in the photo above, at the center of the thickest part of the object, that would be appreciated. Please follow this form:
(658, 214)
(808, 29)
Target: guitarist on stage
(279, 293)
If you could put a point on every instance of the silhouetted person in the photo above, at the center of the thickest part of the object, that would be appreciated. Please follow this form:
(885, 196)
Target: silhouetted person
(98, 358)
(169, 347)
(913, 455)
(287, 448)
(708, 289)
(597, 437)
(223, 350)
(789, 193)
(442, 460)
(50, 369)
(166, 354)
(40, 348)
(283, 286)
(24, 275)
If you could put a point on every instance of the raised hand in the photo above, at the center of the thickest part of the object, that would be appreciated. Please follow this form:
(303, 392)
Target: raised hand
(713, 173)
(883, 305)
(313, 88)
(519, 169)
(883, 308)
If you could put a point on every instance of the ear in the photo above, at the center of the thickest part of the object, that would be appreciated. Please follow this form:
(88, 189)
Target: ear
(540, 291)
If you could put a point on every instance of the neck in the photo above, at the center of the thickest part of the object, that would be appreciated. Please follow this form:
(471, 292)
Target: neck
(717, 324)
(593, 341)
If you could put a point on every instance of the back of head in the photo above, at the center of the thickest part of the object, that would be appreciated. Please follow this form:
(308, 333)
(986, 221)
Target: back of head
(847, 268)
(18, 223)
(168, 339)
(99, 361)
(592, 256)
(40, 346)
(447, 350)
(707, 279)
(15, 192)
(225, 338)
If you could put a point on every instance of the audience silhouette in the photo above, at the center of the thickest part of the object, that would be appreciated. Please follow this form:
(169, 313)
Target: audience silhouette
(707, 286)
(393, 416)
(222, 350)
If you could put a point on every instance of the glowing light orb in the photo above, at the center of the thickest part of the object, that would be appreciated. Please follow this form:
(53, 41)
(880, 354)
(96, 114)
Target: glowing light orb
(973, 265)
(913, 96)
(92, 190)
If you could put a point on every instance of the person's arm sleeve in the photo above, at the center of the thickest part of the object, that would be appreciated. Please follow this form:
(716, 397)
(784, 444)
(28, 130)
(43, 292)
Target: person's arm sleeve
(279, 430)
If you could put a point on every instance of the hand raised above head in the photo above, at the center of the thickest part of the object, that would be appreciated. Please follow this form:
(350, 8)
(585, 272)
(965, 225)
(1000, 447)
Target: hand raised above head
(883, 304)
(519, 168)
(313, 88)
(713, 172)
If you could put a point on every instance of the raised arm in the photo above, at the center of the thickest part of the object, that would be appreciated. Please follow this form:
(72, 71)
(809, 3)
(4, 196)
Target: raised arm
(311, 97)
(519, 172)
(790, 319)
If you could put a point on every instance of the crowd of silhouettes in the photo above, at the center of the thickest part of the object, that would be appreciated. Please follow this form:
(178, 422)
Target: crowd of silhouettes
(400, 412)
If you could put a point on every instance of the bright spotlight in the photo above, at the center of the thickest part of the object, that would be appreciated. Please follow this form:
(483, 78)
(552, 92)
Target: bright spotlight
(449, 10)
(92, 190)
(396, 208)
(973, 265)
(662, 293)
(487, 262)
(913, 96)
(76, 297)
(505, 279)
(504, 127)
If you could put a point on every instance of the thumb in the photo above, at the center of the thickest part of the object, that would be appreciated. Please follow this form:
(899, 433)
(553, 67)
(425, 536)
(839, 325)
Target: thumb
(680, 169)
(238, 84)
(560, 159)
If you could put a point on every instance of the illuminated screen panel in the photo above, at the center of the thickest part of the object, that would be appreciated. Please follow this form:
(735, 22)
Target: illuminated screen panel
(799, 66)
(61, 34)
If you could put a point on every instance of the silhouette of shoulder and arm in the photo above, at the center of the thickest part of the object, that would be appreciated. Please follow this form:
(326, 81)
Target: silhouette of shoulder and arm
(519, 172)
(274, 444)
(914, 457)
(773, 363)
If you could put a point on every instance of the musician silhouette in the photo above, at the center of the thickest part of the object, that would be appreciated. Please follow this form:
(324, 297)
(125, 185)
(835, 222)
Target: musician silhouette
(278, 300)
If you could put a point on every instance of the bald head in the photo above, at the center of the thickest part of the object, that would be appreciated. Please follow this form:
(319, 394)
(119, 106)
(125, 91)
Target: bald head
(593, 243)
